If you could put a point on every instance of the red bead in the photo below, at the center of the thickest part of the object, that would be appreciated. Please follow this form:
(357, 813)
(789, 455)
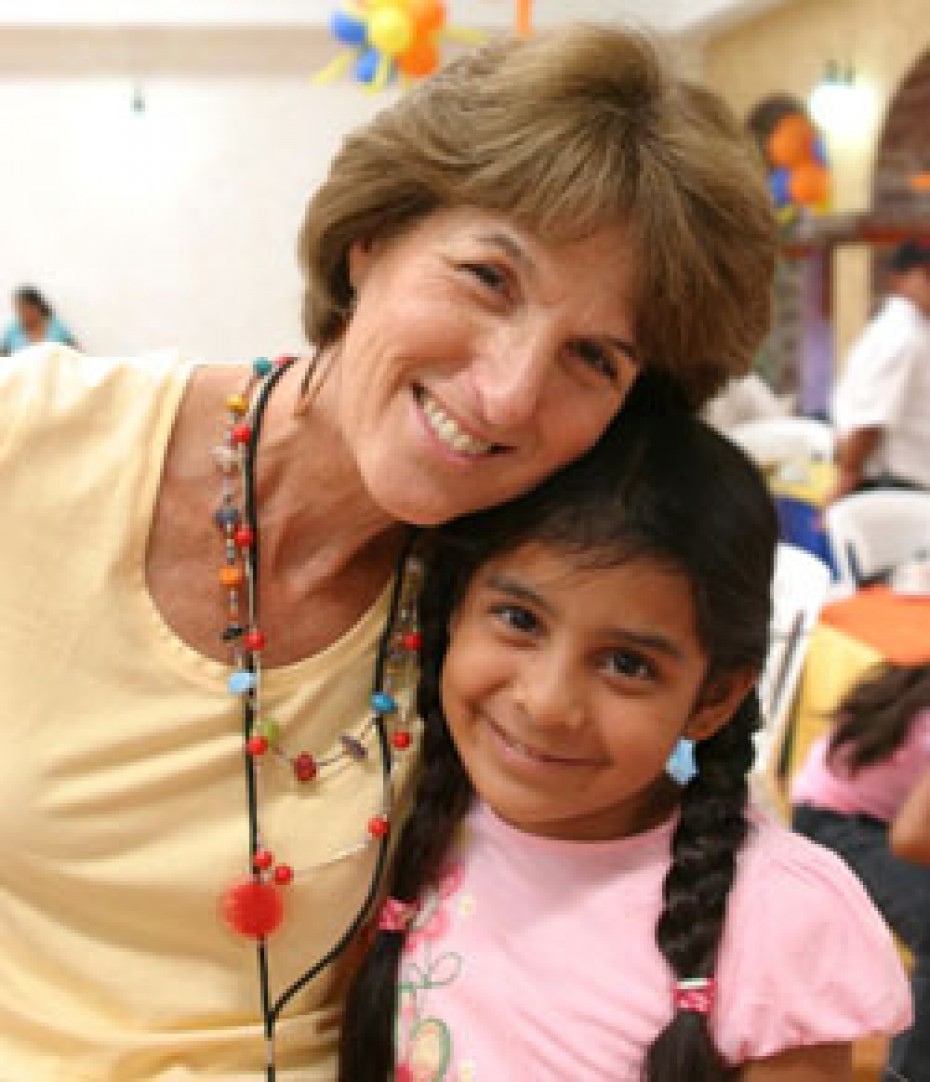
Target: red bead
(244, 536)
(411, 640)
(378, 827)
(283, 874)
(283, 360)
(304, 767)
(257, 745)
(263, 859)
(401, 739)
(252, 908)
(241, 433)
(254, 640)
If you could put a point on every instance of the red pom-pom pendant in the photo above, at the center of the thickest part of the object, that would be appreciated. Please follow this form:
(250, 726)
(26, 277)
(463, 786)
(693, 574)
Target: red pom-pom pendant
(253, 909)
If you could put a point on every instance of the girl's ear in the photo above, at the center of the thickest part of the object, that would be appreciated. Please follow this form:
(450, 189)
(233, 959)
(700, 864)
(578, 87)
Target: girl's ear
(718, 702)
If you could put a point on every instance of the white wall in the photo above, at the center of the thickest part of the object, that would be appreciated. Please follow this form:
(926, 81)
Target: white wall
(175, 227)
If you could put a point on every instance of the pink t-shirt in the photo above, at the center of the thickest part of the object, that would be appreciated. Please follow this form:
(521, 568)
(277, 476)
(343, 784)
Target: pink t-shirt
(878, 790)
(536, 959)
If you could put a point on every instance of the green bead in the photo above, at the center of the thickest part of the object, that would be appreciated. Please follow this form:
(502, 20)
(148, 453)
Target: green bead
(270, 730)
(262, 366)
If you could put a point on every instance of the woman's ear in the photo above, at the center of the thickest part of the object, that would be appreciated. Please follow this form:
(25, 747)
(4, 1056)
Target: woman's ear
(361, 255)
(718, 702)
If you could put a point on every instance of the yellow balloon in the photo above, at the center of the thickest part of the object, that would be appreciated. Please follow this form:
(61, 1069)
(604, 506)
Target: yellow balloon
(390, 30)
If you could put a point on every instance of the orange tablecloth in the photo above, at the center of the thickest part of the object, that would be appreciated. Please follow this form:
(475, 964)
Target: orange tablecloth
(896, 626)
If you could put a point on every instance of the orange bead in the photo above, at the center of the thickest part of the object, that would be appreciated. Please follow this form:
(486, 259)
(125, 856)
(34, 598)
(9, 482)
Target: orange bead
(231, 575)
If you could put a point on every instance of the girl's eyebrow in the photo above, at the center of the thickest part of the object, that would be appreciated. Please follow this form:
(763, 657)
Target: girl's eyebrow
(646, 640)
(519, 254)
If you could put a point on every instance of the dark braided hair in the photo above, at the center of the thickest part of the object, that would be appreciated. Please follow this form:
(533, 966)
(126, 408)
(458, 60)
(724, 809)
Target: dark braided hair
(661, 486)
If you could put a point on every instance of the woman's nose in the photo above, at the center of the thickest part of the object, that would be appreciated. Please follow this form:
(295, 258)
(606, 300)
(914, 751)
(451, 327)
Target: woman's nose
(512, 376)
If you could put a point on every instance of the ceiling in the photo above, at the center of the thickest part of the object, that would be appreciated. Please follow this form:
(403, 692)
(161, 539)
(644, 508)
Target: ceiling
(673, 16)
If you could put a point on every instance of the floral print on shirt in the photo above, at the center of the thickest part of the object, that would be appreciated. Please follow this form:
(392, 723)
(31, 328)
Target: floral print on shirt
(424, 1041)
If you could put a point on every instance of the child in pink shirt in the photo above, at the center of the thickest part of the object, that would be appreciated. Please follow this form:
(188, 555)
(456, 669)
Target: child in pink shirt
(581, 893)
(852, 786)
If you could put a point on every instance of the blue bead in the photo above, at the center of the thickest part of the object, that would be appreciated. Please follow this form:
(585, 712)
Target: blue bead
(241, 681)
(382, 703)
(682, 765)
(261, 366)
(226, 516)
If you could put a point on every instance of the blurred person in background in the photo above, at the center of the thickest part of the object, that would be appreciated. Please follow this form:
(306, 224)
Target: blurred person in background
(35, 322)
(881, 405)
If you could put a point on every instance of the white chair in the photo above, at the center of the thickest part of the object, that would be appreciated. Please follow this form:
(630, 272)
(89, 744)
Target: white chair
(799, 587)
(775, 440)
(872, 532)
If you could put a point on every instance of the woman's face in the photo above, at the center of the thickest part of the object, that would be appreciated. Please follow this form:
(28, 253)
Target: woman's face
(478, 360)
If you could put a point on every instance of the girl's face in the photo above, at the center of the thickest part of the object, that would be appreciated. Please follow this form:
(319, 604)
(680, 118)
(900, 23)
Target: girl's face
(478, 360)
(566, 688)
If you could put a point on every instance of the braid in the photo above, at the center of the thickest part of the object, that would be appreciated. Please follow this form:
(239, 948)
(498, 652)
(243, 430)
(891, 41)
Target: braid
(711, 829)
(443, 794)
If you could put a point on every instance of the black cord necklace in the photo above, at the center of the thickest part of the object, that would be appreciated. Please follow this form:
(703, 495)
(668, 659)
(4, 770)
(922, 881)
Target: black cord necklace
(254, 907)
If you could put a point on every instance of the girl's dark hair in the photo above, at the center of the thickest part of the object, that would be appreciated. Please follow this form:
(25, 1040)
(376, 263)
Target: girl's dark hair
(874, 718)
(31, 296)
(659, 485)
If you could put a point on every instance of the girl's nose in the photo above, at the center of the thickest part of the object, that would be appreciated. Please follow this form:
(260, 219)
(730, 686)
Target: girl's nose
(551, 694)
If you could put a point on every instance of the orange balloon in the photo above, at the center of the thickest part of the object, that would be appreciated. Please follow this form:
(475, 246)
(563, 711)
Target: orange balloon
(809, 184)
(428, 16)
(422, 58)
(792, 142)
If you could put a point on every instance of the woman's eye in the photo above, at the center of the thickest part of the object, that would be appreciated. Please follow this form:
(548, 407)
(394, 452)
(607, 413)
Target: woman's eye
(630, 665)
(488, 275)
(597, 358)
(516, 618)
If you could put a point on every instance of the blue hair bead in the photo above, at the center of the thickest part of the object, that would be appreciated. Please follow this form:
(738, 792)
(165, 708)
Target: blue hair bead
(382, 703)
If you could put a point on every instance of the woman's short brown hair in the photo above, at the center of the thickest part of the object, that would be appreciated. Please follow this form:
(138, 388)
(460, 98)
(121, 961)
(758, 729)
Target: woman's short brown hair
(566, 132)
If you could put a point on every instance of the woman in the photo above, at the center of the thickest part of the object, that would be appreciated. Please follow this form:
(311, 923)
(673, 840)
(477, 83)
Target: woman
(489, 265)
(35, 322)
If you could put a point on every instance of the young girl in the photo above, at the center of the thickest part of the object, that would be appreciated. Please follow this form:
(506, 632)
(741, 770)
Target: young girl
(855, 782)
(561, 909)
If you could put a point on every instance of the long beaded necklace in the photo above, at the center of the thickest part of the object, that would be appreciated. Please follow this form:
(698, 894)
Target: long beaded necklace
(255, 906)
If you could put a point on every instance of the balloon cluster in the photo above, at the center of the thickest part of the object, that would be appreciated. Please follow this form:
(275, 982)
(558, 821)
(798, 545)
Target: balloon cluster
(387, 38)
(800, 172)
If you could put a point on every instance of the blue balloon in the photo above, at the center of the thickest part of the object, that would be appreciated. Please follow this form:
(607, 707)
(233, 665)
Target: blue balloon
(347, 28)
(780, 187)
(366, 67)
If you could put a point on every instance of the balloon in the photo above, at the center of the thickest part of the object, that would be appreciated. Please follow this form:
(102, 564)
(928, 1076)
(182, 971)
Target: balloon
(366, 67)
(809, 184)
(791, 143)
(390, 29)
(347, 29)
(428, 16)
(422, 58)
(779, 180)
(819, 150)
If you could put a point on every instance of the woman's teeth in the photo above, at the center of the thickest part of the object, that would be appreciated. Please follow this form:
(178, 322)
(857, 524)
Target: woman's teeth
(448, 431)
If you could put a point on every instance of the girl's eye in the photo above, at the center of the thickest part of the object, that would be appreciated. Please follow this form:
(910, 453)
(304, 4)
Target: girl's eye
(630, 665)
(488, 275)
(597, 358)
(516, 618)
